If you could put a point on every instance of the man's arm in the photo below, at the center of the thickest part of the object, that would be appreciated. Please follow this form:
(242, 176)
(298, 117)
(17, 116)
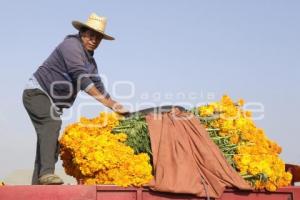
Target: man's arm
(108, 102)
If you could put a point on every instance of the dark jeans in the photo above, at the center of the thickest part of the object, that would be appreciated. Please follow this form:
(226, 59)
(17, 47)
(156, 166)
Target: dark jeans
(47, 124)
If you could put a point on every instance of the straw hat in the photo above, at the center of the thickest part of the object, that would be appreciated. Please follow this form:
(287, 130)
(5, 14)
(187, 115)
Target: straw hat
(95, 23)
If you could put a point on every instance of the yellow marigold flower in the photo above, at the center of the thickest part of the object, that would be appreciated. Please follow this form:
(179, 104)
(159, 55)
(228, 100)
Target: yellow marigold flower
(253, 169)
(270, 186)
(226, 100)
(241, 102)
(247, 114)
(259, 185)
(206, 111)
(287, 177)
(234, 139)
(227, 126)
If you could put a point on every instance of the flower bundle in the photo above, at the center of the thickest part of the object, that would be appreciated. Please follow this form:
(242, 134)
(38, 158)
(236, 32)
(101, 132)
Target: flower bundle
(245, 146)
(109, 149)
(93, 155)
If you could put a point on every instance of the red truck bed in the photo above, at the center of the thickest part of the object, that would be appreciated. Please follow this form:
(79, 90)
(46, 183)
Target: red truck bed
(101, 192)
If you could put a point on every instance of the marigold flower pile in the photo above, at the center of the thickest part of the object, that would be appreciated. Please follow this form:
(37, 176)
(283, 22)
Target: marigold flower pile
(93, 155)
(111, 150)
(245, 146)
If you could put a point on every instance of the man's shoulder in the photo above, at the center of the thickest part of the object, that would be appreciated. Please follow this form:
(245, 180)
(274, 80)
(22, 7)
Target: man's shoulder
(72, 37)
(70, 42)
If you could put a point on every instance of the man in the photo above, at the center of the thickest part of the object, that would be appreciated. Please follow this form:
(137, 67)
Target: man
(54, 86)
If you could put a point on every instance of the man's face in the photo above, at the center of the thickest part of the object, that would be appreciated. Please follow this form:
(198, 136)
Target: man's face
(91, 39)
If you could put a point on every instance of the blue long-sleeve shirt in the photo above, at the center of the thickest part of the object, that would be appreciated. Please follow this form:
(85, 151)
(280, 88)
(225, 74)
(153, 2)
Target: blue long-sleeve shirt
(69, 69)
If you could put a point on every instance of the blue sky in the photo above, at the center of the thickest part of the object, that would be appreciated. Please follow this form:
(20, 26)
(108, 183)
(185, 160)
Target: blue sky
(248, 49)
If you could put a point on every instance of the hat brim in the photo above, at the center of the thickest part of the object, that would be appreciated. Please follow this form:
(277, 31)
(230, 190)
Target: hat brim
(78, 25)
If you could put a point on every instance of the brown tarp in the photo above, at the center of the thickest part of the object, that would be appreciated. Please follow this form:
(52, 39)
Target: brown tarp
(186, 160)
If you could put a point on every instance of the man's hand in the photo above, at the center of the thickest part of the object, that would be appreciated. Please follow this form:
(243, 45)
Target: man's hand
(118, 108)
